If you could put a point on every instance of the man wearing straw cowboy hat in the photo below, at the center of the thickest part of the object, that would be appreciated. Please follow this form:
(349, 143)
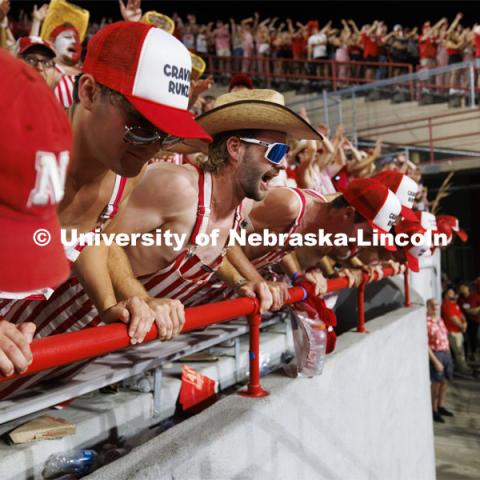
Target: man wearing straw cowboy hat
(249, 130)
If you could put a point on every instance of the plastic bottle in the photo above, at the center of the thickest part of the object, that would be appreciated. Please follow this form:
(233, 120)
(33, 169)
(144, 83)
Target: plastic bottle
(78, 462)
(318, 346)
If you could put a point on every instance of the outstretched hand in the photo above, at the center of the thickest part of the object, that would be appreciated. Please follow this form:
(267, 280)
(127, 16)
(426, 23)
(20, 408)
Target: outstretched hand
(132, 12)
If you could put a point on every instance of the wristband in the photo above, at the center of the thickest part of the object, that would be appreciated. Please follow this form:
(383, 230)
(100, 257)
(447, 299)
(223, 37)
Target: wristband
(295, 276)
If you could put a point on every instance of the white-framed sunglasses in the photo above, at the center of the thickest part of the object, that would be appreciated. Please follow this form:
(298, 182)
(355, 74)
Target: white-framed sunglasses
(275, 151)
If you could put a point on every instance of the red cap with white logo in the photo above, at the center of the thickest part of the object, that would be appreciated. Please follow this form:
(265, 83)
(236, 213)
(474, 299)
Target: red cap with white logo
(375, 202)
(35, 147)
(151, 68)
(403, 187)
(448, 224)
(25, 43)
(411, 252)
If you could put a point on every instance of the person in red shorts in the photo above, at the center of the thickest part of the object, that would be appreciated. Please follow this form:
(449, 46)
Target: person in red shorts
(456, 326)
(441, 365)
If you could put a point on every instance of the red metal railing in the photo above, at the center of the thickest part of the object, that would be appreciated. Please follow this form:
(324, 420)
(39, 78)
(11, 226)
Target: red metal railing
(429, 123)
(338, 73)
(66, 348)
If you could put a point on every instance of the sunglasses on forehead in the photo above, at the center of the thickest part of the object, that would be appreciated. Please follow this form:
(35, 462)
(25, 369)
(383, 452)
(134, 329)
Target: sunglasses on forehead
(275, 151)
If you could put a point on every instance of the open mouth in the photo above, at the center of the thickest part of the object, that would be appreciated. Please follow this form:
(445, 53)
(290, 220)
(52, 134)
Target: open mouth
(267, 177)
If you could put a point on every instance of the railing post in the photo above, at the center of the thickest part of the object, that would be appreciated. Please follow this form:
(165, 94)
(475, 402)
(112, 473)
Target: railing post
(406, 288)
(361, 304)
(254, 389)
(325, 108)
(430, 140)
(354, 120)
(471, 78)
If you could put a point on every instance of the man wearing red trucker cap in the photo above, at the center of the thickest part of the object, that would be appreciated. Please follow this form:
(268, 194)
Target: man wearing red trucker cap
(132, 94)
(289, 211)
(35, 149)
(449, 225)
(41, 55)
(403, 187)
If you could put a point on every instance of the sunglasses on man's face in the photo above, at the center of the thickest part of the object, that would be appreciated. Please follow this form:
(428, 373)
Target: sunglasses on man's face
(137, 129)
(141, 135)
(275, 153)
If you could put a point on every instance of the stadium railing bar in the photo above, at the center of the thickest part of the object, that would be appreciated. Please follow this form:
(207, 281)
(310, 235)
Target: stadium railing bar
(63, 349)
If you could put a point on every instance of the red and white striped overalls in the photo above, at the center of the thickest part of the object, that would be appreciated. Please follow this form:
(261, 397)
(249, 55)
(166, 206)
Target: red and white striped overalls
(64, 88)
(66, 309)
(218, 290)
(186, 277)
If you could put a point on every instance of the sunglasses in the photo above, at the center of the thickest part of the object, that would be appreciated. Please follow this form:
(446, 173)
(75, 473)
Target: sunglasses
(35, 61)
(140, 135)
(275, 153)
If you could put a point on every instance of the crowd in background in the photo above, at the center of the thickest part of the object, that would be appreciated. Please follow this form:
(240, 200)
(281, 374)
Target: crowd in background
(286, 49)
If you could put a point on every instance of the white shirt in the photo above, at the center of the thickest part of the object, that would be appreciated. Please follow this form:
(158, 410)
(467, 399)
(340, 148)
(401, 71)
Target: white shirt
(318, 42)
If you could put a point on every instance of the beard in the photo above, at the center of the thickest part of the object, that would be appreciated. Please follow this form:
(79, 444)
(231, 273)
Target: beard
(254, 179)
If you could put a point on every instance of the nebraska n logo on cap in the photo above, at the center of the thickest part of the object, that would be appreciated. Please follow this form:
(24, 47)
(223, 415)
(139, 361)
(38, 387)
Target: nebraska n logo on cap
(50, 181)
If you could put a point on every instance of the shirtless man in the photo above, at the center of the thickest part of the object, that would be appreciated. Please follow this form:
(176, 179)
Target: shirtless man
(117, 128)
(289, 211)
(249, 132)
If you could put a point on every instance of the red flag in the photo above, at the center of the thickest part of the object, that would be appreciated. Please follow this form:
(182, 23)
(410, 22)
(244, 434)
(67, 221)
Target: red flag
(196, 388)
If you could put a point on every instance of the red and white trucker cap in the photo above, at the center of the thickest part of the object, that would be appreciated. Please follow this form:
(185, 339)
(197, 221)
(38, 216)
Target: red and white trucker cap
(375, 202)
(429, 223)
(25, 43)
(35, 144)
(151, 68)
(412, 252)
(403, 187)
(448, 224)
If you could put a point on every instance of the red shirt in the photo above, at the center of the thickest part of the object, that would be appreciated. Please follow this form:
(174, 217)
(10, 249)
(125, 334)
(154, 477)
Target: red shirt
(299, 47)
(472, 301)
(427, 47)
(451, 309)
(437, 334)
(370, 47)
(476, 43)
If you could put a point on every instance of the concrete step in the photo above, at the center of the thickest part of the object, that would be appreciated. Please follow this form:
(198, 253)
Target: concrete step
(457, 441)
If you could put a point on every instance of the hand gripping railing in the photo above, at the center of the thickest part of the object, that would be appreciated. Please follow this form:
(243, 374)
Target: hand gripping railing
(66, 348)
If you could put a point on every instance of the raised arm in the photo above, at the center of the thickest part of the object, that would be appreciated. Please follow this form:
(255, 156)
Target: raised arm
(38, 16)
(454, 24)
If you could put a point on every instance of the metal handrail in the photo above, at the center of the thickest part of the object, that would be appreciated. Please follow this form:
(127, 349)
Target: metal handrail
(66, 348)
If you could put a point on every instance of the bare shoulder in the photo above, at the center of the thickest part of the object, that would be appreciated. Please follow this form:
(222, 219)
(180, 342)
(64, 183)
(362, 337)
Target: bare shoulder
(166, 181)
(284, 199)
(280, 206)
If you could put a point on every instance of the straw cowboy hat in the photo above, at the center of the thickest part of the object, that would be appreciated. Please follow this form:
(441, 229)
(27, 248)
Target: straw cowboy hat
(250, 110)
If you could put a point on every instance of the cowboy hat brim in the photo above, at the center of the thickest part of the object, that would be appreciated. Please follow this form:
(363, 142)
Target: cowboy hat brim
(249, 115)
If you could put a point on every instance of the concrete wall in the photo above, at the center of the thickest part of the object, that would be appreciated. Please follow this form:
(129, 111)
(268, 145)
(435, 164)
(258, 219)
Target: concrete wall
(367, 417)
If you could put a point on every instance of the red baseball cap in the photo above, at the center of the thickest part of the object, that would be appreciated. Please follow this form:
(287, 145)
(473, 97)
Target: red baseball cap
(25, 43)
(240, 79)
(35, 146)
(448, 224)
(412, 252)
(151, 68)
(375, 202)
(403, 187)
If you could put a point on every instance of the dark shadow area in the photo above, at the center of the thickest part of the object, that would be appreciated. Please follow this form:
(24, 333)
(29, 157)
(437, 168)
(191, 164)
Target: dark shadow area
(380, 298)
